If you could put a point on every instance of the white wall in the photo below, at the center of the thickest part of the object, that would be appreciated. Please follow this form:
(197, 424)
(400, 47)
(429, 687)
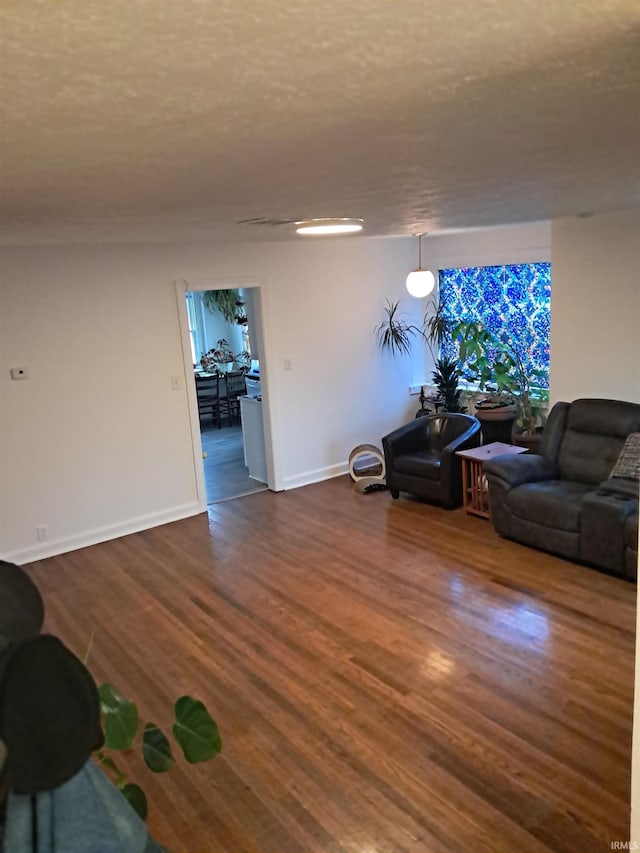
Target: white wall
(595, 307)
(95, 443)
(595, 344)
(510, 244)
(98, 328)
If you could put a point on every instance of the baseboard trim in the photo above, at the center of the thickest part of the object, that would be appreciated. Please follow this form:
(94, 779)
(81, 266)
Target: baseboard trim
(315, 476)
(100, 534)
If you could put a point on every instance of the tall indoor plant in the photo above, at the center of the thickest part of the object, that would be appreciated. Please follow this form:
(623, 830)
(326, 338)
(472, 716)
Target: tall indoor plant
(395, 335)
(495, 363)
(446, 376)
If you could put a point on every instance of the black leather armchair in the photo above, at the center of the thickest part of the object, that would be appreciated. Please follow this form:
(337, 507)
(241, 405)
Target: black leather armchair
(421, 456)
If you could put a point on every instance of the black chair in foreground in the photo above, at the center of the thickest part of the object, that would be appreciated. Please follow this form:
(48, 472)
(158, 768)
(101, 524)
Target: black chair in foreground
(421, 456)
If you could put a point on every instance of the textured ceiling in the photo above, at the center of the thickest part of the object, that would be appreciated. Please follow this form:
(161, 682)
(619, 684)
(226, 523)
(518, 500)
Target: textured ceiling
(172, 119)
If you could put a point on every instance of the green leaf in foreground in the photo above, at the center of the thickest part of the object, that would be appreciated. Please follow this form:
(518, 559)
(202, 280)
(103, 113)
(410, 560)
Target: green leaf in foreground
(136, 798)
(109, 763)
(195, 730)
(156, 749)
(120, 718)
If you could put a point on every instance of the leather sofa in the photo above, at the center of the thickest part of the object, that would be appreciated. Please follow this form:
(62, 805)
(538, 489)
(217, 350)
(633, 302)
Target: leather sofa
(563, 499)
(631, 548)
(420, 457)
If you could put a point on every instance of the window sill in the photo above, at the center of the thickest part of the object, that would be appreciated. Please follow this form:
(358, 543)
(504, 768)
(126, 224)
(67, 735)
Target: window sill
(469, 390)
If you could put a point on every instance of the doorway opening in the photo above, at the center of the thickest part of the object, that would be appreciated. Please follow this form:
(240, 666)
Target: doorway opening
(225, 339)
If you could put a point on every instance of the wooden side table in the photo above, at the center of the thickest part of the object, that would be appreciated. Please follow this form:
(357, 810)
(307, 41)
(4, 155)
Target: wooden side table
(475, 494)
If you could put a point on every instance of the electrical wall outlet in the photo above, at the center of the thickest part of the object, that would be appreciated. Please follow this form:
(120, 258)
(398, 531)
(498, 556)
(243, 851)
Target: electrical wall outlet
(42, 533)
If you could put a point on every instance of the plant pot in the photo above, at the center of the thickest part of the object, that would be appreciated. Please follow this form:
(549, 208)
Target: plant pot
(497, 423)
(496, 413)
(531, 441)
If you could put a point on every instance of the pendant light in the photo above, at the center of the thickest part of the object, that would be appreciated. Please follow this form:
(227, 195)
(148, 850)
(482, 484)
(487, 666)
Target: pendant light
(420, 282)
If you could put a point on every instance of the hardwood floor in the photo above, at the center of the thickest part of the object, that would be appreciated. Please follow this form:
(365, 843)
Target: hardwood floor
(387, 677)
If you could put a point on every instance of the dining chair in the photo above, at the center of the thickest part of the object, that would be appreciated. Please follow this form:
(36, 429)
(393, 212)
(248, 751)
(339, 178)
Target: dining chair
(208, 394)
(233, 386)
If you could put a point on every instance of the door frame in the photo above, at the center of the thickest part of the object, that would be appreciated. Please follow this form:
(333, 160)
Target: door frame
(223, 283)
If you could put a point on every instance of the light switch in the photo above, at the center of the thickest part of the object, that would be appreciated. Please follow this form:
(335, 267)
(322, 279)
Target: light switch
(176, 383)
(288, 364)
(19, 373)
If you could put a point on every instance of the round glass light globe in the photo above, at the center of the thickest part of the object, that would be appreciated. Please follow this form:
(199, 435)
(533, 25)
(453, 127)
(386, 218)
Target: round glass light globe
(420, 283)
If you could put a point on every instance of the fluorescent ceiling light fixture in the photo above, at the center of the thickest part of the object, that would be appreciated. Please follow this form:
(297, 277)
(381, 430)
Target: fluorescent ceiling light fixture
(329, 226)
(420, 282)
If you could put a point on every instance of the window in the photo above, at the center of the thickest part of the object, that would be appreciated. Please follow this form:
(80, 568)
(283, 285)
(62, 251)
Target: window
(193, 325)
(515, 298)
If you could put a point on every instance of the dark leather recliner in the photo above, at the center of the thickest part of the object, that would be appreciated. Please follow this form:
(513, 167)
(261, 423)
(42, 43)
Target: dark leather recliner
(563, 500)
(421, 456)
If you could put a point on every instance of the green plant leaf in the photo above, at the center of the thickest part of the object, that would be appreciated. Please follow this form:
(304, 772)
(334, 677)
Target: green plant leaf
(394, 334)
(156, 749)
(109, 763)
(223, 301)
(120, 718)
(136, 798)
(195, 730)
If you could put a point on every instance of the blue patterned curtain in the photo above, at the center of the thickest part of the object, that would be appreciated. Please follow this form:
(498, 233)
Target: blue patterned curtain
(515, 298)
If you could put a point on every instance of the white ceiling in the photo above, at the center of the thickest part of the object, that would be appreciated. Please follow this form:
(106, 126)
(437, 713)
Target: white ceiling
(172, 119)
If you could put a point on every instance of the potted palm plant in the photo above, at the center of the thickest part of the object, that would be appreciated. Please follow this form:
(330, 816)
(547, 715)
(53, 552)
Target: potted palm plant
(395, 335)
(447, 374)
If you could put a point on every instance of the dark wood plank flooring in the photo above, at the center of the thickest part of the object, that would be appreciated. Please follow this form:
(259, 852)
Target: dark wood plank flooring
(226, 475)
(388, 677)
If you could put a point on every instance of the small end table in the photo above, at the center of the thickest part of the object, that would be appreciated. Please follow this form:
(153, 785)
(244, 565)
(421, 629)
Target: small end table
(475, 494)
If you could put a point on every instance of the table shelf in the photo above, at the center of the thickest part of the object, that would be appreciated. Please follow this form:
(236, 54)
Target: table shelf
(475, 490)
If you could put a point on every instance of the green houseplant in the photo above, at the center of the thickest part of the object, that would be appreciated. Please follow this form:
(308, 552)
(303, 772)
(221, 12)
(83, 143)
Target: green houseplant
(228, 303)
(224, 301)
(193, 730)
(447, 374)
(496, 364)
(393, 333)
(396, 336)
(220, 357)
(55, 720)
(446, 378)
